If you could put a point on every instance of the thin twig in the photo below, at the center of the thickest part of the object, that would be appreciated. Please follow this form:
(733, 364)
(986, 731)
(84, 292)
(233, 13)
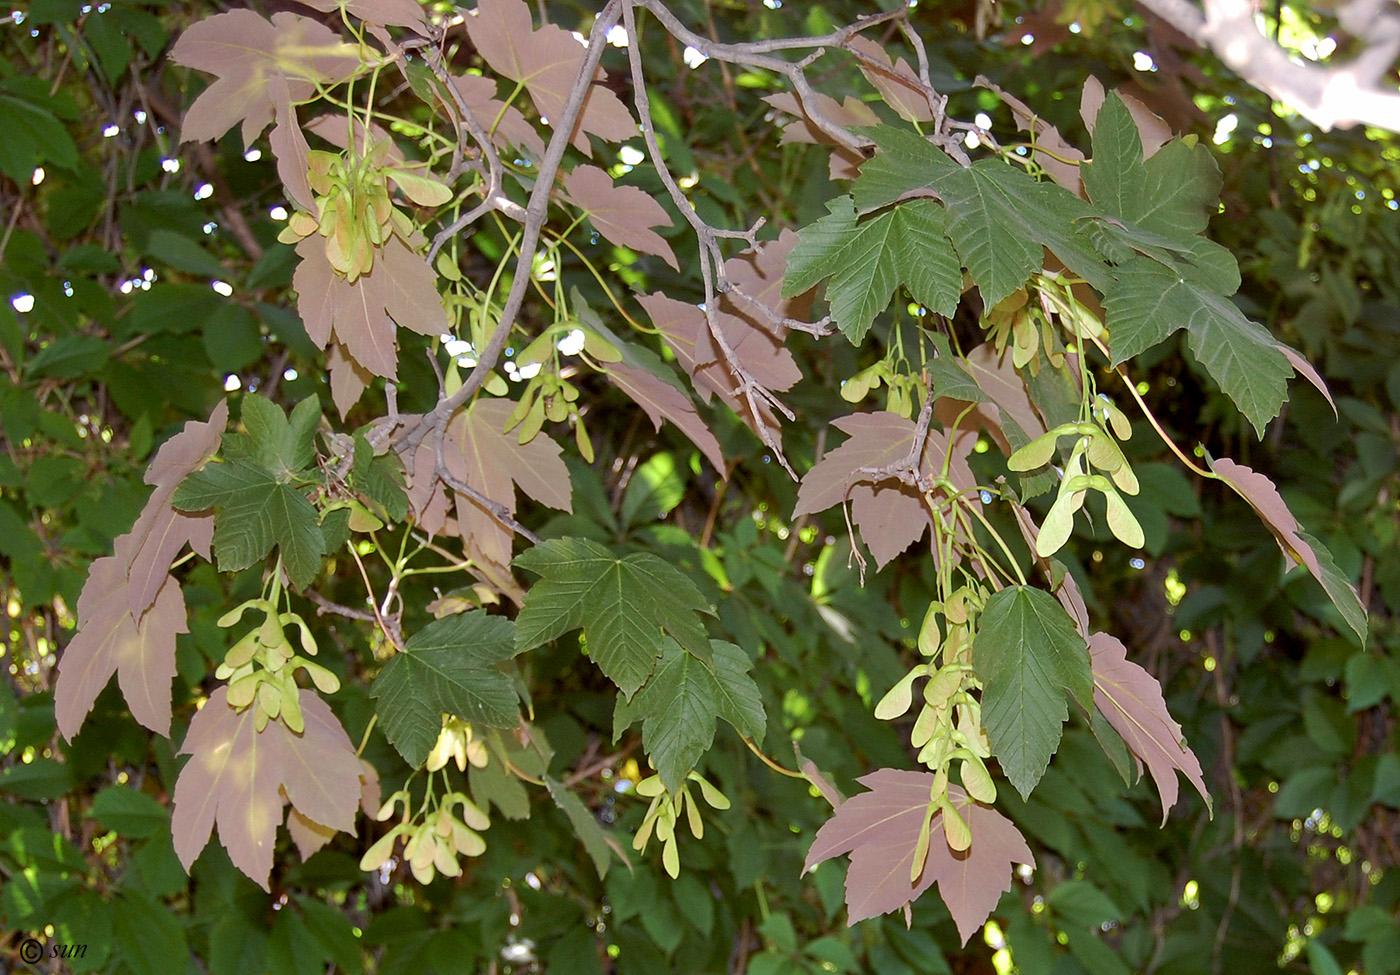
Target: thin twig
(535, 215)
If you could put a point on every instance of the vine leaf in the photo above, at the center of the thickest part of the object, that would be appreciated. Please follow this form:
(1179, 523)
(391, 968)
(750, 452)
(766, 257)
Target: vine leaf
(239, 779)
(546, 61)
(880, 830)
(1298, 547)
(448, 667)
(866, 262)
(1029, 656)
(890, 514)
(248, 53)
(1131, 699)
(622, 214)
(111, 640)
(623, 605)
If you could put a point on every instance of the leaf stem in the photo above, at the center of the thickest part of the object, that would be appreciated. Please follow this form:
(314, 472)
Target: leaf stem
(1146, 412)
(364, 739)
(769, 762)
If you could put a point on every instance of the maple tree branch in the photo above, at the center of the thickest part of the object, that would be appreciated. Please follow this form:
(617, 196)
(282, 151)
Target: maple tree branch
(711, 260)
(906, 469)
(535, 214)
(755, 55)
(494, 508)
(1329, 96)
(820, 328)
(324, 606)
(493, 197)
(388, 625)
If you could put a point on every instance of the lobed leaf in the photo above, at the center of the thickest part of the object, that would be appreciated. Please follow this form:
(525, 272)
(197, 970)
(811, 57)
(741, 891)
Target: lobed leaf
(1298, 547)
(867, 261)
(239, 778)
(1131, 699)
(1029, 656)
(678, 706)
(448, 667)
(253, 512)
(622, 214)
(880, 830)
(623, 605)
(112, 640)
(891, 515)
(546, 61)
(246, 51)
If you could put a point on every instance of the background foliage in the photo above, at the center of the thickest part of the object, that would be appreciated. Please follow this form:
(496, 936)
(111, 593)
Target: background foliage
(112, 337)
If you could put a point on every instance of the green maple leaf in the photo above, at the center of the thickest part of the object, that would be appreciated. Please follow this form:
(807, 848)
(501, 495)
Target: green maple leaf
(867, 261)
(678, 707)
(284, 447)
(1176, 279)
(906, 162)
(1029, 657)
(1151, 301)
(379, 478)
(736, 695)
(1338, 589)
(623, 605)
(448, 667)
(949, 379)
(999, 217)
(1245, 360)
(680, 702)
(253, 511)
(595, 841)
(1171, 194)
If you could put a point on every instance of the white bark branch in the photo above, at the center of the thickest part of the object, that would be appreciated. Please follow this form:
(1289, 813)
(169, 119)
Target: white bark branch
(1330, 96)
